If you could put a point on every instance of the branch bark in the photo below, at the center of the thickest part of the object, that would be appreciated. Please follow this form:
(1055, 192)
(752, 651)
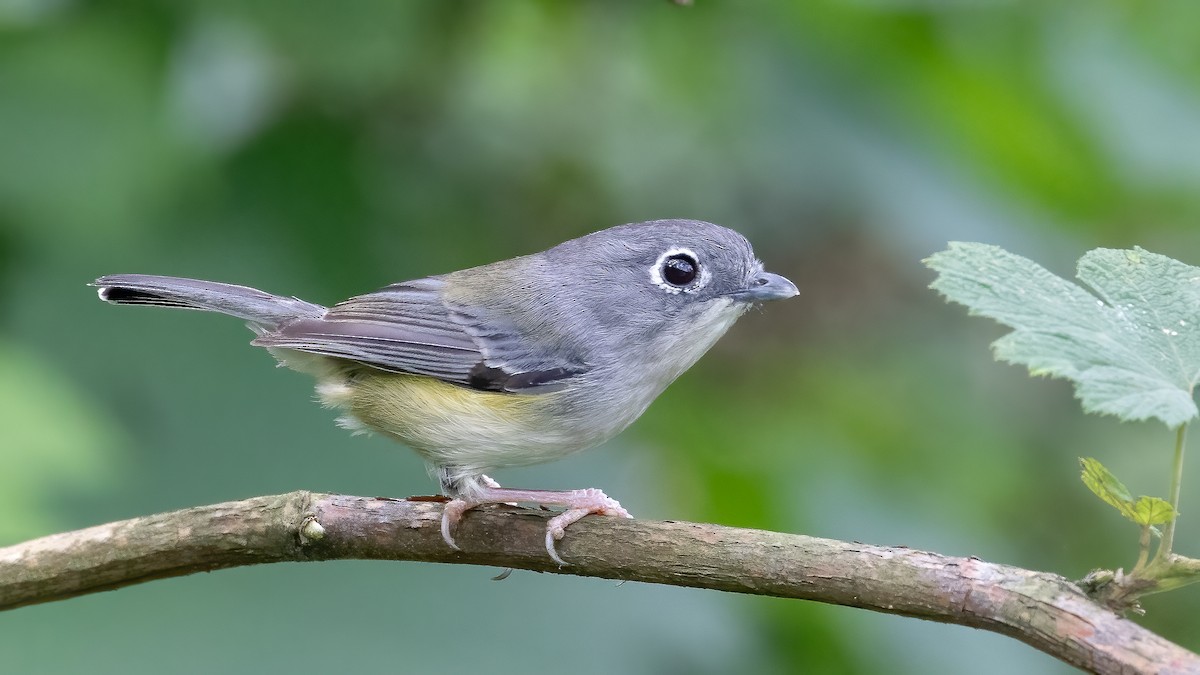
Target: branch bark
(1043, 610)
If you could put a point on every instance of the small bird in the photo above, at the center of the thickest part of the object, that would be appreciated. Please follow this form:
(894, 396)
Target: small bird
(514, 363)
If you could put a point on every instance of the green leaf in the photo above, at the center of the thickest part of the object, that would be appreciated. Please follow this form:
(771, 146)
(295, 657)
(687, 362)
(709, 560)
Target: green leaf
(1131, 344)
(1144, 511)
(1104, 485)
(1152, 511)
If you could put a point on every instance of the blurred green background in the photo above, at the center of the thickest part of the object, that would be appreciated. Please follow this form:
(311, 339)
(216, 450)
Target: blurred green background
(325, 149)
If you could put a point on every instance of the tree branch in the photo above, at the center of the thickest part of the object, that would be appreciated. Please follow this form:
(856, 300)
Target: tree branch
(1043, 610)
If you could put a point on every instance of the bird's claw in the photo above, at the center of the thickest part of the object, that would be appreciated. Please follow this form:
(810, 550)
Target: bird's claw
(584, 503)
(578, 503)
(452, 512)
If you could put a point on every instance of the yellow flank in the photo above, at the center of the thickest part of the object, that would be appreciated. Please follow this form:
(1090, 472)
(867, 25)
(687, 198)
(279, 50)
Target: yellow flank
(445, 422)
(394, 400)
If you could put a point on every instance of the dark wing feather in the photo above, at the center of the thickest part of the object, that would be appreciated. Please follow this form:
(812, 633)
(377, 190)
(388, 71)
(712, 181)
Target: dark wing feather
(408, 328)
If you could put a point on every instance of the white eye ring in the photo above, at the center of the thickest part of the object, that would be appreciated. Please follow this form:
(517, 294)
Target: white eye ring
(656, 271)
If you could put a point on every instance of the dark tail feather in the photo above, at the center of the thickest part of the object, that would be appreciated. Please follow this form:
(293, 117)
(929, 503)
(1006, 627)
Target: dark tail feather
(255, 306)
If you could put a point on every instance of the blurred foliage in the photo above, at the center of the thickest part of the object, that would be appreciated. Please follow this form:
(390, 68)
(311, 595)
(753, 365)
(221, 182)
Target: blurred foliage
(58, 445)
(324, 149)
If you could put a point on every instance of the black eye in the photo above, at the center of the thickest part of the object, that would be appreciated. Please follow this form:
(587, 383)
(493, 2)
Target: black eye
(680, 269)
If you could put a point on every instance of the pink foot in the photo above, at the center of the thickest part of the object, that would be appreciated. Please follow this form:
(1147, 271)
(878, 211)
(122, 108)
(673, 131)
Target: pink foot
(578, 503)
(586, 502)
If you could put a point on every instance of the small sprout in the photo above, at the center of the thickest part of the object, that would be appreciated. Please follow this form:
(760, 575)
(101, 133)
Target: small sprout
(1096, 580)
(311, 530)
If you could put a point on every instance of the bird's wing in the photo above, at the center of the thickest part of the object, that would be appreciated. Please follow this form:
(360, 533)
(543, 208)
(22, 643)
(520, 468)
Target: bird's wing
(409, 328)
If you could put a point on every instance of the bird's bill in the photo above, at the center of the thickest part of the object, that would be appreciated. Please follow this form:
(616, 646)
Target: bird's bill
(766, 286)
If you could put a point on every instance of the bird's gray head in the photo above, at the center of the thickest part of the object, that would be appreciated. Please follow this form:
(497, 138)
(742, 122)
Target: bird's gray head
(666, 265)
(664, 281)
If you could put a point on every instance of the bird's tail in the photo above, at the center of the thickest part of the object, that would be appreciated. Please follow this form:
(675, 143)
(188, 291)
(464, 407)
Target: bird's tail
(261, 309)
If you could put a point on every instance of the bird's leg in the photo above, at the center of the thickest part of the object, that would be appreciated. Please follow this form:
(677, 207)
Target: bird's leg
(577, 504)
(456, 507)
